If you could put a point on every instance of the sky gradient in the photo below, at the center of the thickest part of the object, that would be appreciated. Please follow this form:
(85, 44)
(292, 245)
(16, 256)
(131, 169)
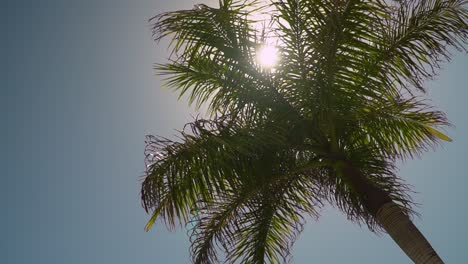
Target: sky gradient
(80, 96)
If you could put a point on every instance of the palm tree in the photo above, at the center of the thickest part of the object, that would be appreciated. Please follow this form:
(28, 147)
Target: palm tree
(326, 124)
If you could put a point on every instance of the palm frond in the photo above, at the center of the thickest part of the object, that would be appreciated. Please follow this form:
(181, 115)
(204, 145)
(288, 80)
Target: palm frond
(418, 37)
(401, 128)
(327, 44)
(273, 219)
(216, 221)
(214, 154)
(275, 202)
(213, 49)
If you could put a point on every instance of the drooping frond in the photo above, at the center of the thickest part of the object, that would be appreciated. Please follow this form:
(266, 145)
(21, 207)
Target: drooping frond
(258, 221)
(211, 155)
(418, 36)
(214, 58)
(401, 128)
(273, 222)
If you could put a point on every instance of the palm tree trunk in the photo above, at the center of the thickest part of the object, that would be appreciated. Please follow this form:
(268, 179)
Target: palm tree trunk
(392, 218)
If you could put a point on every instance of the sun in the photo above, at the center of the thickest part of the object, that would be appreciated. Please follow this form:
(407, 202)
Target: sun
(268, 56)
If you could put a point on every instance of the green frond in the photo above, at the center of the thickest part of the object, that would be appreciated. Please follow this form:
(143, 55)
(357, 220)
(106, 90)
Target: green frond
(401, 128)
(215, 223)
(203, 27)
(327, 47)
(213, 49)
(211, 156)
(272, 221)
(225, 223)
(224, 86)
(418, 37)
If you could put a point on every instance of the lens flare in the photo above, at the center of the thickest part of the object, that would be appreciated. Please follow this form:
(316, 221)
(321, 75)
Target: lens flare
(268, 56)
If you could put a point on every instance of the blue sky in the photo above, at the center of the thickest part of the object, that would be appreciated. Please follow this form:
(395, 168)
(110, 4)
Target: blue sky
(79, 98)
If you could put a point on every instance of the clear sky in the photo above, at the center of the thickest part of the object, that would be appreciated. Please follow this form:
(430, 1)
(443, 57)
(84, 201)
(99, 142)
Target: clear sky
(80, 96)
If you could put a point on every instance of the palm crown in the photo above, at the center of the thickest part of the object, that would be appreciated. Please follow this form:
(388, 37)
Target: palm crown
(326, 124)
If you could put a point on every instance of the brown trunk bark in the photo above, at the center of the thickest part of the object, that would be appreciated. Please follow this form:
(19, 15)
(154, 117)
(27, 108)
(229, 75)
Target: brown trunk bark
(391, 218)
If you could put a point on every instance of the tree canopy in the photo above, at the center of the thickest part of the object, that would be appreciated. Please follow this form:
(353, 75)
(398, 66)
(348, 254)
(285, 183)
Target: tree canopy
(349, 87)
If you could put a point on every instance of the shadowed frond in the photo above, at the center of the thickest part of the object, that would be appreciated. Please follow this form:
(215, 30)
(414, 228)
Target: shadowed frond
(276, 208)
(214, 154)
(328, 45)
(214, 53)
(418, 37)
(403, 128)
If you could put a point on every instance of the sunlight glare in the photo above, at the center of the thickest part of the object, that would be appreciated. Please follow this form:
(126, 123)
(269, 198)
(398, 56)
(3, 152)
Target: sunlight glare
(268, 56)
